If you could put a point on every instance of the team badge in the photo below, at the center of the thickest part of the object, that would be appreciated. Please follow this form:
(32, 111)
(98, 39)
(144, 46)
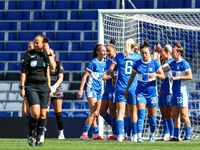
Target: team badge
(90, 65)
(33, 64)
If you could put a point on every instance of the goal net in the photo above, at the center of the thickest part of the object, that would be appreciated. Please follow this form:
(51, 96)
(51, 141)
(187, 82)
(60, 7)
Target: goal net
(164, 27)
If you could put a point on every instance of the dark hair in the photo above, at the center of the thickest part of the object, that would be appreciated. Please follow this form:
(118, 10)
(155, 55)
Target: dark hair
(145, 45)
(112, 43)
(179, 48)
(45, 39)
(96, 47)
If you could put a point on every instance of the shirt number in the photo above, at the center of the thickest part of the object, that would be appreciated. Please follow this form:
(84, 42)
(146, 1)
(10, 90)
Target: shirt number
(128, 67)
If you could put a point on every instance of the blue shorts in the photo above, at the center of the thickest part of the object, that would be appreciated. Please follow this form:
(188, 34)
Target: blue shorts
(180, 99)
(149, 102)
(94, 94)
(167, 100)
(108, 96)
(119, 96)
(161, 101)
(131, 97)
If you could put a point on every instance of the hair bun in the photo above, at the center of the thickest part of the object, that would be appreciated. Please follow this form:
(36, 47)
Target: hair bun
(146, 43)
(112, 41)
(46, 40)
(178, 44)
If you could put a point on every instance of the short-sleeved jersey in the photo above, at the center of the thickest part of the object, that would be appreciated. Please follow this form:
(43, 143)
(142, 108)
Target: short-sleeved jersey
(109, 87)
(179, 69)
(97, 69)
(146, 86)
(124, 70)
(35, 63)
(167, 82)
(54, 77)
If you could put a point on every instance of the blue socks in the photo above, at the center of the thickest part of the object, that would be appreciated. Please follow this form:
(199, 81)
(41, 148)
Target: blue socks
(165, 125)
(86, 129)
(134, 127)
(188, 132)
(95, 130)
(119, 125)
(152, 123)
(113, 125)
(28, 117)
(125, 120)
(108, 119)
(128, 126)
(171, 126)
(176, 133)
(140, 122)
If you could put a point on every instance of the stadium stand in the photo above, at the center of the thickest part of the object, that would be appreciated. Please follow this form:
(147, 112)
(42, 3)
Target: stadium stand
(71, 26)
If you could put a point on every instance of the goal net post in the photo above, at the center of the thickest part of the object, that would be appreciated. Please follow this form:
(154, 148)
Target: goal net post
(158, 26)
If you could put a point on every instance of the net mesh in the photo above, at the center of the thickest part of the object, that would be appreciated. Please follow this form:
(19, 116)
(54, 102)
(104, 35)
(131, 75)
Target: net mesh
(163, 29)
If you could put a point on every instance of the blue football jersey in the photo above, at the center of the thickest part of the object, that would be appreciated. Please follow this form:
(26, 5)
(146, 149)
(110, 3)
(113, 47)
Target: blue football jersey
(97, 69)
(108, 86)
(179, 69)
(167, 82)
(146, 87)
(124, 70)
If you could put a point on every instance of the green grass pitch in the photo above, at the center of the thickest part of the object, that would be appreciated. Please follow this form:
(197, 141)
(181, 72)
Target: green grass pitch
(77, 144)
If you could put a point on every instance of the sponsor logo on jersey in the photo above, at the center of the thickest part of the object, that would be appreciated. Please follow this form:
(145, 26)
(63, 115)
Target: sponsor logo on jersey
(150, 69)
(33, 56)
(33, 64)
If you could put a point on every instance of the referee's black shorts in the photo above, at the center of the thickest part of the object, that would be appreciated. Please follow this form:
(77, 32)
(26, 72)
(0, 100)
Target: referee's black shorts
(37, 95)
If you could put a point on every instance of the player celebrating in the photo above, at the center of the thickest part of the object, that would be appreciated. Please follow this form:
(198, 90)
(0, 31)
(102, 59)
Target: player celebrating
(108, 96)
(124, 62)
(56, 80)
(181, 71)
(147, 70)
(96, 72)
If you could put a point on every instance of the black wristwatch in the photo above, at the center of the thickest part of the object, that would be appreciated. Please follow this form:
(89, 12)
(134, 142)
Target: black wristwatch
(49, 54)
(21, 87)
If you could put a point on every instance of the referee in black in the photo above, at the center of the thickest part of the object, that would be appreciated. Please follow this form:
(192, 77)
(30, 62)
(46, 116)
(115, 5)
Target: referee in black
(35, 82)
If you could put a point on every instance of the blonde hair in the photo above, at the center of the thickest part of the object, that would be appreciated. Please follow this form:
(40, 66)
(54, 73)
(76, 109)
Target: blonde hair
(130, 43)
(167, 47)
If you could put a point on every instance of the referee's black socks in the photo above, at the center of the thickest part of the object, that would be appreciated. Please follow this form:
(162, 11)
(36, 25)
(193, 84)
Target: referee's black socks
(32, 123)
(60, 121)
(40, 128)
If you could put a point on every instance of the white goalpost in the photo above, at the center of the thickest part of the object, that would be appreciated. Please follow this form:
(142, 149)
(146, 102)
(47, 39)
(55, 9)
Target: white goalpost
(164, 26)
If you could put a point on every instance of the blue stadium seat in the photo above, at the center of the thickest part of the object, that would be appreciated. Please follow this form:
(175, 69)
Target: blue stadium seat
(55, 46)
(95, 36)
(22, 55)
(14, 47)
(5, 57)
(26, 36)
(74, 15)
(12, 5)
(1, 15)
(51, 114)
(26, 5)
(113, 5)
(86, 5)
(51, 15)
(100, 4)
(66, 106)
(78, 105)
(26, 16)
(89, 56)
(77, 36)
(80, 114)
(63, 56)
(51, 26)
(86, 106)
(2, 5)
(12, 66)
(25, 26)
(63, 5)
(13, 16)
(77, 66)
(62, 25)
(138, 4)
(63, 15)
(37, 15)
(187, 4)
(5, 114)
(68, 66)
(13, 26)
(38, 5)
(150, 4)
(49, 5)
(50, 35)
(175, 4)
(161, 4)
(66, 114)
(19, 67)
(77, 57)
(88, 26)
(39, 26)
(64, 46)
(64, 36)
(75, 5)
(1, 46)
(2, 35)
(2, 66)
(75, 46)
(5, 26)
(76, 26)
(88, 46)
(15, 114)
(13, 57)
(88, 15)
(88, 36)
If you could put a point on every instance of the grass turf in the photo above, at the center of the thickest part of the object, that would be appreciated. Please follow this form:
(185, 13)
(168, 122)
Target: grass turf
(77, 144)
